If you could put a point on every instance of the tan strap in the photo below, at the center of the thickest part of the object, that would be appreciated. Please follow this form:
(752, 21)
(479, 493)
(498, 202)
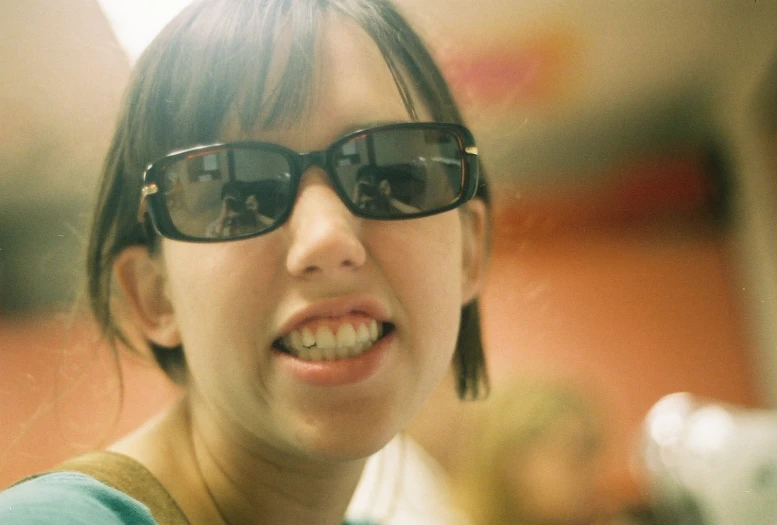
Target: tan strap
(132, 478)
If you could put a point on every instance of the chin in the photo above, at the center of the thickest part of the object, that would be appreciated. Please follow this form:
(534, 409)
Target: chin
(349, 442)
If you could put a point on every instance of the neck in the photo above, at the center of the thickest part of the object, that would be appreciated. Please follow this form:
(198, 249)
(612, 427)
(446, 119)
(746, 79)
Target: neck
(263, 485)
(215, 480)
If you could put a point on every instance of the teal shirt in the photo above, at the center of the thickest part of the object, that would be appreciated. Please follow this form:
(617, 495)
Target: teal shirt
(69, 498)
(72, 498)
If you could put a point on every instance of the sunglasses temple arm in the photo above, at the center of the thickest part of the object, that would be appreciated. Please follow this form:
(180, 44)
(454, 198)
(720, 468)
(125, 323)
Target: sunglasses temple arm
(148, 189)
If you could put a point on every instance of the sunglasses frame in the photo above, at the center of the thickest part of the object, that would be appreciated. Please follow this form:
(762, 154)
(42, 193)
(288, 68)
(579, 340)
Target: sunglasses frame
(152, 199)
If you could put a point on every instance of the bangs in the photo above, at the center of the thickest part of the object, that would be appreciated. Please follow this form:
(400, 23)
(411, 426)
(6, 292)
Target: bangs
(212, 62)
(254, 65)
(277, 84)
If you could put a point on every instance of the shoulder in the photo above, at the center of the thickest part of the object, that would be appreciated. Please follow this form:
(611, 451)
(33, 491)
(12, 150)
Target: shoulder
(69, 498)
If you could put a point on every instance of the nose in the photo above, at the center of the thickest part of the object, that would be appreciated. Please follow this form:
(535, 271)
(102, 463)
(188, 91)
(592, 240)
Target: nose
(324, 233)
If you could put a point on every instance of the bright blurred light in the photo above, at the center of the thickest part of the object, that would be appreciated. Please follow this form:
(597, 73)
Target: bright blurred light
(709, 429)
(666, 418)
(137, 22)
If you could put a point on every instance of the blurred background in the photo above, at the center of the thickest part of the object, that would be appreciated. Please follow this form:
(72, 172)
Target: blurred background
(632, 147)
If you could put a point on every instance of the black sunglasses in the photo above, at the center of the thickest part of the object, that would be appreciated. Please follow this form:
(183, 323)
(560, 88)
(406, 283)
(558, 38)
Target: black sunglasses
(236, 190)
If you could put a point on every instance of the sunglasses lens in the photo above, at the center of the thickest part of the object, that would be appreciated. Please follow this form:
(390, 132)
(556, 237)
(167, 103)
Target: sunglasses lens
(401, 172)
(226, 193)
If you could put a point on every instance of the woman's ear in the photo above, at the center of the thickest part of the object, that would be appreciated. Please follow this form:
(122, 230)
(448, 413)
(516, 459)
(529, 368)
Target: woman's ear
(474, 225)
(143, 283)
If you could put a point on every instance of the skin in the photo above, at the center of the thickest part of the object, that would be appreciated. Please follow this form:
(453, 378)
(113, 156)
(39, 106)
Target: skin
(252, 441)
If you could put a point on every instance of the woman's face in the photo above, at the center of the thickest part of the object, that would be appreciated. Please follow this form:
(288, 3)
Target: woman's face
(229, 303)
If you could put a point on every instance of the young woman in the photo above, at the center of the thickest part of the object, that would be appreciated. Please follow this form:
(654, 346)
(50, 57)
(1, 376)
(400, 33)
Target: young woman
(304, 342)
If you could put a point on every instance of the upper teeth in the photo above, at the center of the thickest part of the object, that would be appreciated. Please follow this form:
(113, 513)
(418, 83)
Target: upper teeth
(324, 343)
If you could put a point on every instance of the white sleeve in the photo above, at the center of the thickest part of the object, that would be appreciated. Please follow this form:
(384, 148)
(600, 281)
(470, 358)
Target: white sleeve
(403, 485)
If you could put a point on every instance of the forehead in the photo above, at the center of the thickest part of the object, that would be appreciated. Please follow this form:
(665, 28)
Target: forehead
(351, 87)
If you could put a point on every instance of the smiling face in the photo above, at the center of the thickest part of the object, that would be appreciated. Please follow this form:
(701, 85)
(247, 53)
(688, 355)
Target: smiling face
(323, 337)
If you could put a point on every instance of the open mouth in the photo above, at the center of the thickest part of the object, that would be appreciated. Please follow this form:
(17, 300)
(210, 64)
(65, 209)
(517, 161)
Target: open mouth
(329, 342)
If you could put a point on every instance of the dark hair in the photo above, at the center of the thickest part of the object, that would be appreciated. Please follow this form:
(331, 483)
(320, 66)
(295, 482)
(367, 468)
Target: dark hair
(190, 79)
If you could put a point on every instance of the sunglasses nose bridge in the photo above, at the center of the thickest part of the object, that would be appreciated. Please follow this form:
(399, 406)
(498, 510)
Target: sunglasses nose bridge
(312, 158)
(316, 158)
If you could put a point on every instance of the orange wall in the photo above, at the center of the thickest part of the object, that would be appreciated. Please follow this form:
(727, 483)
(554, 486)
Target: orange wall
(634, 313)
(59, 393)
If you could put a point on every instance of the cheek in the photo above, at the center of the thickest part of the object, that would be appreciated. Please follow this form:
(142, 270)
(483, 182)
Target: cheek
(422, 261)
(215, 291)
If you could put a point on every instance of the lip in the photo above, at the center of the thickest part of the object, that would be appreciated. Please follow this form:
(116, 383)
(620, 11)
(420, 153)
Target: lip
(340, 372)
(333, 308)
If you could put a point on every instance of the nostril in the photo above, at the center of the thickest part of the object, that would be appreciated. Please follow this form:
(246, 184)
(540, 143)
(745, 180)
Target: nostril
(312, 269)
